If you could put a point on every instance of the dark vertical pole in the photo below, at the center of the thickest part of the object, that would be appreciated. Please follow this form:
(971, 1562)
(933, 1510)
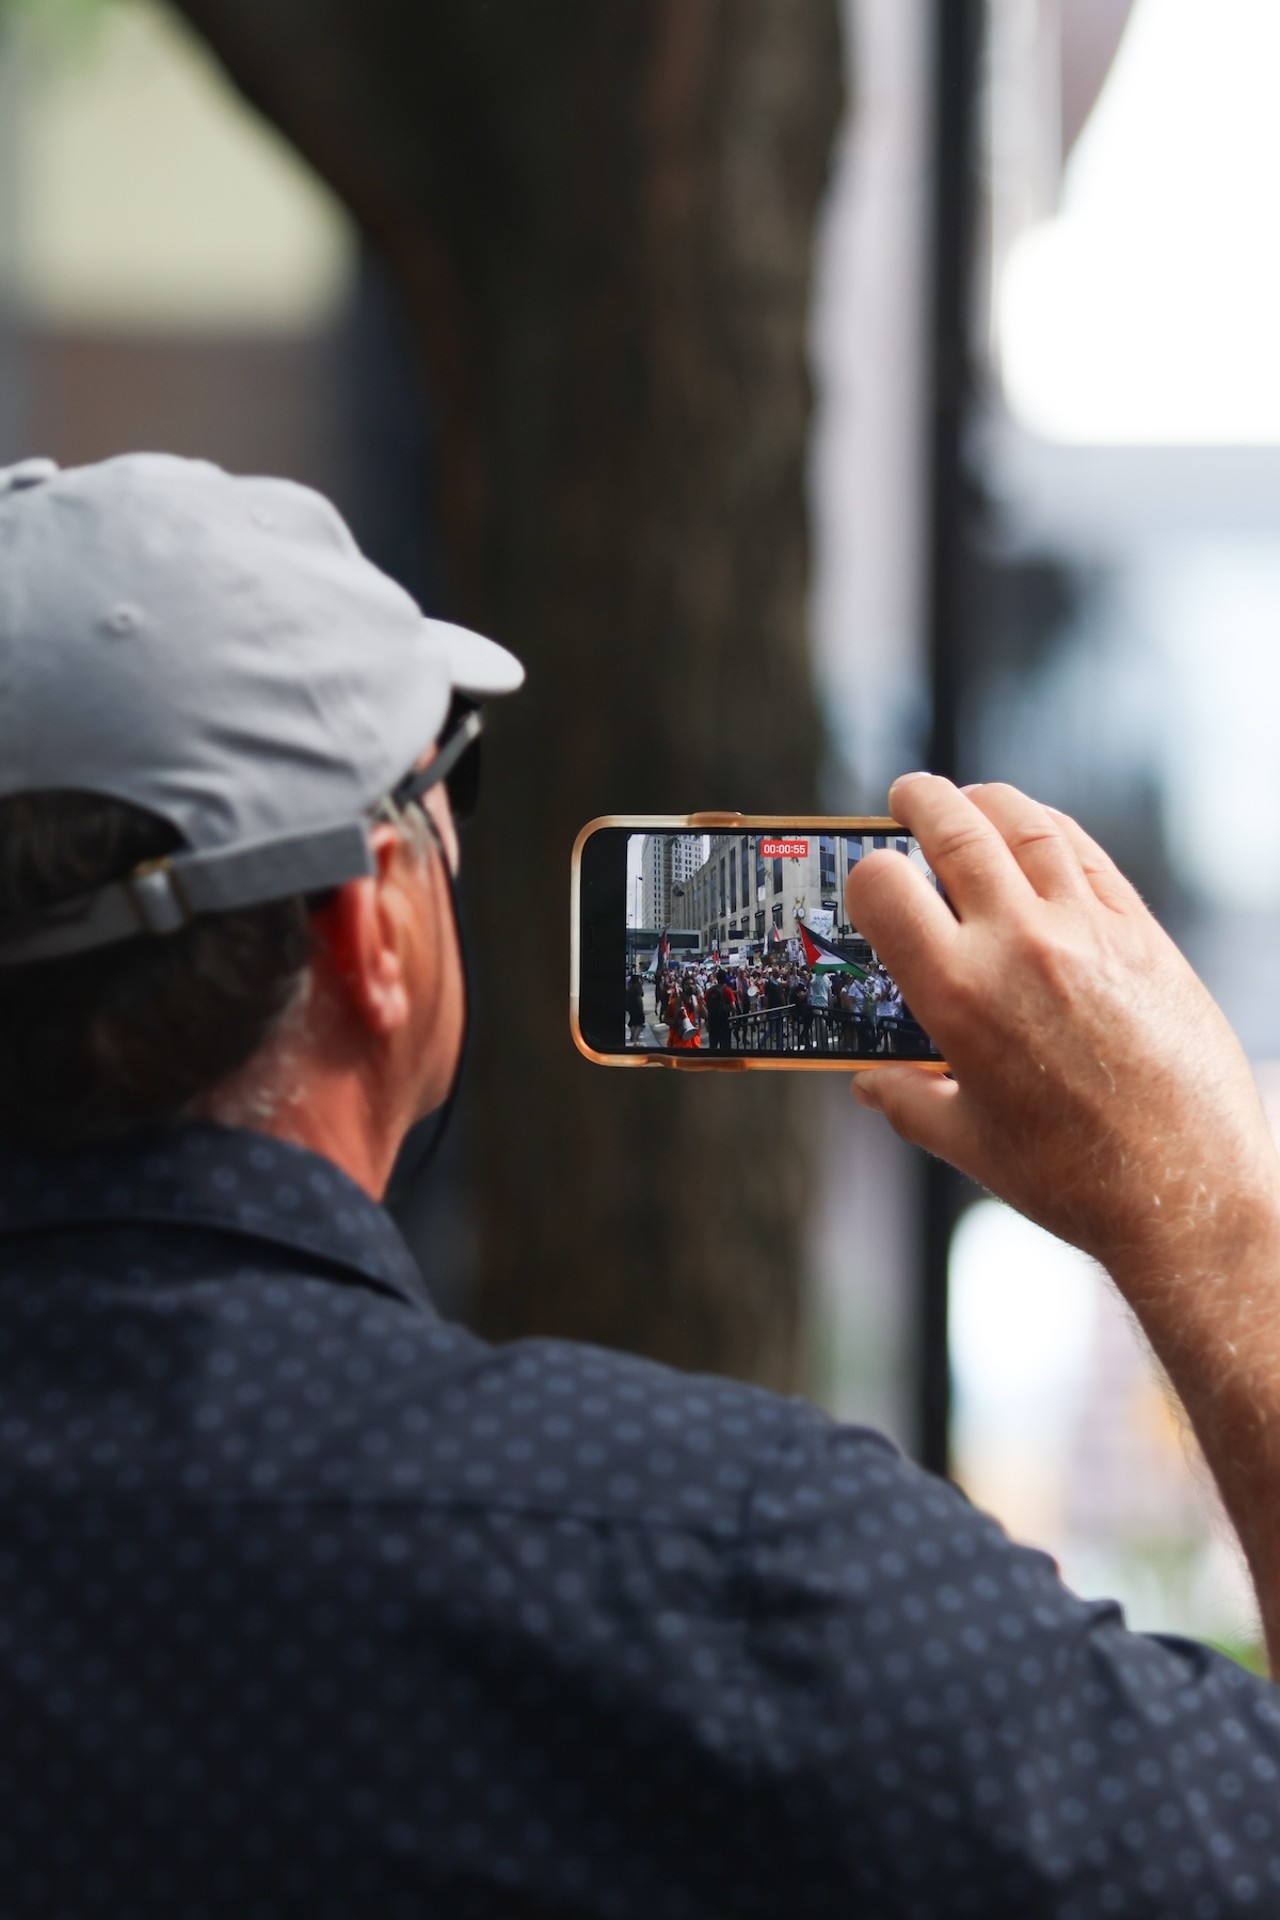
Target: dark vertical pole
(957, 27)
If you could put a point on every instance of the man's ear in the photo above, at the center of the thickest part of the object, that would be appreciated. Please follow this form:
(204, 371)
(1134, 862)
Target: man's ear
(362, 927)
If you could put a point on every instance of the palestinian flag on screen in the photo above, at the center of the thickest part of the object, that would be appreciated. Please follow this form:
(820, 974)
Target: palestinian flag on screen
(661, 953)
(821, 957)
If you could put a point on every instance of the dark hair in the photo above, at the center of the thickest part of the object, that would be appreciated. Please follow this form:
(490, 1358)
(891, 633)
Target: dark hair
(99, 1044)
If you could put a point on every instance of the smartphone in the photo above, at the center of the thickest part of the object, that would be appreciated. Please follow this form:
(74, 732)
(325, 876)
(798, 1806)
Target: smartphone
(720, 941)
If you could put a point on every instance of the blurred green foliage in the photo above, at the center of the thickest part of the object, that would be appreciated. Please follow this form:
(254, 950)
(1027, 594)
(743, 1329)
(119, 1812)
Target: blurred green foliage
(1246, 1653)
(59, 16)
(53, 29)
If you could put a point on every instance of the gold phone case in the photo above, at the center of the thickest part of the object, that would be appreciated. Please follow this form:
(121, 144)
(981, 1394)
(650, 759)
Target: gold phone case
(705, 823)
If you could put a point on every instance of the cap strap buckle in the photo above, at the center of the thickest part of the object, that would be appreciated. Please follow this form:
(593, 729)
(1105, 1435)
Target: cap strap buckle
(164, 896)
(157, 897)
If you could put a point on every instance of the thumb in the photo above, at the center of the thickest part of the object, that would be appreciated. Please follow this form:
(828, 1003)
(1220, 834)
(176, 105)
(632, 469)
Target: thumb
(924, 1108)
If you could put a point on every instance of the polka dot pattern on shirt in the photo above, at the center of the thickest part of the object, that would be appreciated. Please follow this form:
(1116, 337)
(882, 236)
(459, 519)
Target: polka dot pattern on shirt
(311, 1603)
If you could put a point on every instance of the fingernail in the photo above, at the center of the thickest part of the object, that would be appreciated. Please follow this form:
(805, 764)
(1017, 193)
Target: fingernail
(865, 1090)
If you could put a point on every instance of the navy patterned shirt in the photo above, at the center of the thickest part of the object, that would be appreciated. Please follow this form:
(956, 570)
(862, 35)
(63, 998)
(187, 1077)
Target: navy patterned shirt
(313, 1605)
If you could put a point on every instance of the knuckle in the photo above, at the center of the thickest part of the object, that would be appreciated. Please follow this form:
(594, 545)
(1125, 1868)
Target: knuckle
(1033, 833)
(1064, 966)
(961, 998)
(1033, 945)
(965, 842)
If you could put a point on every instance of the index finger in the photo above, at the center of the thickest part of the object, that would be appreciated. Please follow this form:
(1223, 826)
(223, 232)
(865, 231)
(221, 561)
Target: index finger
(965, 850)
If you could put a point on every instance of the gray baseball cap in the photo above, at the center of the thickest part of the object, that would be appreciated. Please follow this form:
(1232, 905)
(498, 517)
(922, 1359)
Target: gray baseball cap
(217, 650)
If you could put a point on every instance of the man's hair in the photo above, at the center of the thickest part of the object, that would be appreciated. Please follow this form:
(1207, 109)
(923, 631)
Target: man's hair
(99, 1044)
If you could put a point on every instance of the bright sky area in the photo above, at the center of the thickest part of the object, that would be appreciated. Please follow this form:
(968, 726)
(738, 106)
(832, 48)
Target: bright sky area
(1149, 311)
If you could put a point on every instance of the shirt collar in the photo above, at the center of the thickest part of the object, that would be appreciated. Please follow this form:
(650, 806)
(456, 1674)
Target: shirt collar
(219, 1179)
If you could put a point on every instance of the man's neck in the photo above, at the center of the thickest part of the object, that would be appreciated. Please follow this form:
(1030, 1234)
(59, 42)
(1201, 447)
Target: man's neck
(331, 1114)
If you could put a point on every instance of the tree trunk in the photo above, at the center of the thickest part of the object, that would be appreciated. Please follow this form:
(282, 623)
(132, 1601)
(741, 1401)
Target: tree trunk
(601, 214)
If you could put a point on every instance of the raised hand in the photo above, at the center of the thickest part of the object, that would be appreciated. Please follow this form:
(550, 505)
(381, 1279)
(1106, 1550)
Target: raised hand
(1098, 1089)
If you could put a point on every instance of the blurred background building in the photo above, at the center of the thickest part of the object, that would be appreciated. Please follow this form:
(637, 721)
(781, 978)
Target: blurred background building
(171, 276)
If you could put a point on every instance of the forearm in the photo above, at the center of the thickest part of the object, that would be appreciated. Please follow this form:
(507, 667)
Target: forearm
(1207, 1293)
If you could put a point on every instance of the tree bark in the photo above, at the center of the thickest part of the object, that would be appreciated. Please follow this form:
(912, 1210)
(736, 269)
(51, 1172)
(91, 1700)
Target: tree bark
(601, 214)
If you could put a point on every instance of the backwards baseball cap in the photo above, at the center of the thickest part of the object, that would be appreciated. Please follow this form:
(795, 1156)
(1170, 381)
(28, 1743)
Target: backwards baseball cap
(218, 651)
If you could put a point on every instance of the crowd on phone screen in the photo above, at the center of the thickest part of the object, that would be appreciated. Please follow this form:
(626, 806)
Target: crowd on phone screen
(779, 1007)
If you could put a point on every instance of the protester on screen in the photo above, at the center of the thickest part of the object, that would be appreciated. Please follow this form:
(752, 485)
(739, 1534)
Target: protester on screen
(684, 1018)
(820, 1001)
(775, 1010)
(635, 1007)
(889, 1015)
(717, 1005)
(801, 1011)
(850, 1011)
(676, 980)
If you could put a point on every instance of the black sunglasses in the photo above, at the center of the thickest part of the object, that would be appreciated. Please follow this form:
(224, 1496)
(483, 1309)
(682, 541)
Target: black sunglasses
(457, 763)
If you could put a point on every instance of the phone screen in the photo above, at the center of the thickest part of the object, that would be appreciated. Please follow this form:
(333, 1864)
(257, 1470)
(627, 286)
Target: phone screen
(723, 944)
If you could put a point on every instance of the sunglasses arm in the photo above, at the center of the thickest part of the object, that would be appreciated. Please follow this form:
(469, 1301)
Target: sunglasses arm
(415, 784)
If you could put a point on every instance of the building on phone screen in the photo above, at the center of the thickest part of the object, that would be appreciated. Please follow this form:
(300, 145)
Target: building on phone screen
(749, 884)
(669, 861)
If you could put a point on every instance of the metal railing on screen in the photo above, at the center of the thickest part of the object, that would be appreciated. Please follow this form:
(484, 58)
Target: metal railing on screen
(822, 1030)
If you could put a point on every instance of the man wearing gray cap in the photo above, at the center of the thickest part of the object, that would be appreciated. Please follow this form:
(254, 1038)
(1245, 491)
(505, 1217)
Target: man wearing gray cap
(313, 1604)
(229, 696)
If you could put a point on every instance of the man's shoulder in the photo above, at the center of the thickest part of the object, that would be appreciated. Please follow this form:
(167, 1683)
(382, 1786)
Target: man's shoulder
(272, 1384)
(609, 1435)
(372, 1400)
(632, 1442)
